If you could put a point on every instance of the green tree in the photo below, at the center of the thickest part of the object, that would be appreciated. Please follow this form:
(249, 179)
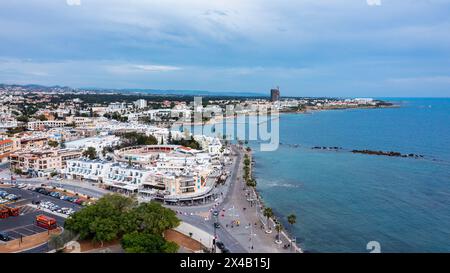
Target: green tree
(106, 217)
(191, 143)
(136, 242)
(153, 218)
(90, 153)
(292, 219)
(106, 229)
(114, 217)
(22, 118)
(18, 171)
(53, 143)
(278, 228)
(268, 213)
(41, 117)
(135, 138)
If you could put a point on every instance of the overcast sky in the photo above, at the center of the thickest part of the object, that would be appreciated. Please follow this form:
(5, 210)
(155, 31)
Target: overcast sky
(372, 48)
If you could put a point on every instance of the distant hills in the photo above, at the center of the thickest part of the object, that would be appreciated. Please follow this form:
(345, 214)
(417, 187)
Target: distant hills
(42, 88)
(181, 92)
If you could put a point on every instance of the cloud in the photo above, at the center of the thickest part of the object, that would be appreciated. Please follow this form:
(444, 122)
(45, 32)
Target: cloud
(156, 68)
(140, 68)
(73, 2)
(373, 2)
(232, 44)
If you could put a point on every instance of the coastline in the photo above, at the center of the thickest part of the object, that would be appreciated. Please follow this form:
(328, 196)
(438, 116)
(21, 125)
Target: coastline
(260, 202)
(310, 110)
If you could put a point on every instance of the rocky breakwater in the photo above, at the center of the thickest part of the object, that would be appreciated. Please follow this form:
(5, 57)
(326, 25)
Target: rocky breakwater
(391, 153)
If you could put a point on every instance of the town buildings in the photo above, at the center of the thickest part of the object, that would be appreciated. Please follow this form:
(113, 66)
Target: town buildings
(166, 172)
(42, 163)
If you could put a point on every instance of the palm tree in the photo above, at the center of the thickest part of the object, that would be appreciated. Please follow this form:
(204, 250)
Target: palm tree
(268, 212)
(292, 219)
(278, 228)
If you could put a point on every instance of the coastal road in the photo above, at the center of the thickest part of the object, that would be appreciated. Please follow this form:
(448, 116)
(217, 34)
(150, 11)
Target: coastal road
(237, 207)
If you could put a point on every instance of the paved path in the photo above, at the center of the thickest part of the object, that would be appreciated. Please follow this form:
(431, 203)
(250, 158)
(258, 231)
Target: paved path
(231, 204)
(236, 208)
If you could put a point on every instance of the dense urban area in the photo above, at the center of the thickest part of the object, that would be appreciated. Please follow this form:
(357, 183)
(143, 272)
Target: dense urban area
(111, 171)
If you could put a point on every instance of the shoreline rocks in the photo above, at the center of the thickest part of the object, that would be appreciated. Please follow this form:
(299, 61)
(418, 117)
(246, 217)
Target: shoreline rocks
(391, 153)
(326, 148)
(369, 152)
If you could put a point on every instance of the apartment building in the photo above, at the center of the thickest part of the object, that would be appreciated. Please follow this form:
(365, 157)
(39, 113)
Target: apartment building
(43, 125)
(42, 162)
(6, 147)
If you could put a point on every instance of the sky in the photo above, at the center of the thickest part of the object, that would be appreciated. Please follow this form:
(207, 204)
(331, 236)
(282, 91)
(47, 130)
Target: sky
(344, 48)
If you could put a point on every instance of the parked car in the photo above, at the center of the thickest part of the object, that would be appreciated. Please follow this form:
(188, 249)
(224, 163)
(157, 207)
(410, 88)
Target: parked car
(12, 197)
(55, 194)
(225, 250)
(220, 245)
(4, 237)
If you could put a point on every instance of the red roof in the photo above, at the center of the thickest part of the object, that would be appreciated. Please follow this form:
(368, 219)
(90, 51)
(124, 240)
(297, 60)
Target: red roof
(5, 141)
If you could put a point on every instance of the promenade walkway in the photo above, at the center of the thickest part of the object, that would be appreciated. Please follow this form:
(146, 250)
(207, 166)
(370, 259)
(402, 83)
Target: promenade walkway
(238, 208)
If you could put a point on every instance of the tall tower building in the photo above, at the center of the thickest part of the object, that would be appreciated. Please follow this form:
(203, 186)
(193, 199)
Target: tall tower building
(275, 94)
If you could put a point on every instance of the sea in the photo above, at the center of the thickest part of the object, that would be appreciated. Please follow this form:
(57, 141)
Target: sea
(347, 202)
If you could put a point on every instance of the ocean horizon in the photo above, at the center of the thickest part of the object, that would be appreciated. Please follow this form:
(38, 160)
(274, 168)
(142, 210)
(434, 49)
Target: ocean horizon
(344, 200)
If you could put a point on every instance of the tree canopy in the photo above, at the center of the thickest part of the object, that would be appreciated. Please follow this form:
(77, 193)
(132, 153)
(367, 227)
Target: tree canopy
(136, 242)
(191, 143)
(135, 139)
(90, 153)
(115, 216)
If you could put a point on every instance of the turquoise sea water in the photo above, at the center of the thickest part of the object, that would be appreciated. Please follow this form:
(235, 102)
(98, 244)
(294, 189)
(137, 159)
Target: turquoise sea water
(344, 200)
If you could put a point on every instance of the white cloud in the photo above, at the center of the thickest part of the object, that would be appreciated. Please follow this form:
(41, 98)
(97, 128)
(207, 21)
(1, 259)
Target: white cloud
(374, 2)
(73, 2)
(156, 68)
(139, 68)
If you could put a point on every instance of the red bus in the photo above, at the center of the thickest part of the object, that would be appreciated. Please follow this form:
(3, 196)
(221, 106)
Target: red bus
(45, 222)
(13, 211)
(6, 211)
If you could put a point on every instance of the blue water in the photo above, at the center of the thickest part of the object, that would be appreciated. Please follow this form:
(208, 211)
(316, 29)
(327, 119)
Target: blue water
(344, 200)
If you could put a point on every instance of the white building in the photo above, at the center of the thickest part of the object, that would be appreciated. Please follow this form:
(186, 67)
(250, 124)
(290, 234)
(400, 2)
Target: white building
(98, 143)
(84, 169)
(141, 103)
(41, 125)
(165, 172)
(212, 145)
(117, 107)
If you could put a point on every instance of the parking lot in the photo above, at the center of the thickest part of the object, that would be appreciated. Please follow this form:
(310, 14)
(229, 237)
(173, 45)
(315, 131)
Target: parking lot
(29, 196)
(24, 225)
(23, 231)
